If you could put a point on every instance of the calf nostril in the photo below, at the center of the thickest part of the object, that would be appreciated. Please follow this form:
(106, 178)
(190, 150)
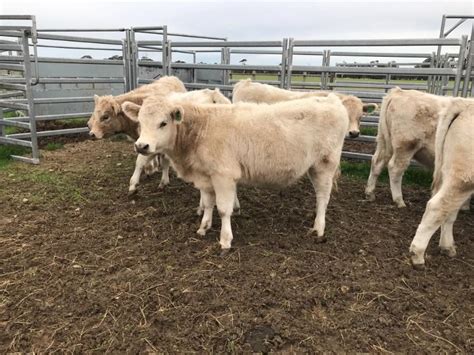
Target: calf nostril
(91, 134)
(354, 134)
(140, 147)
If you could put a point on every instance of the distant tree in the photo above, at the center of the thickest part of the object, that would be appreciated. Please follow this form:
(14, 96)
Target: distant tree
(243, 61)
(86, 57)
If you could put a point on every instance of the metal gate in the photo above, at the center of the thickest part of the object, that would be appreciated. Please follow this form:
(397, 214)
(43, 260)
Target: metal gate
(60, 88)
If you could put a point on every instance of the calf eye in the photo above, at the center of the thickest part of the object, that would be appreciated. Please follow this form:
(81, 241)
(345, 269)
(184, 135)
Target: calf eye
(162, 124)
(104, 118)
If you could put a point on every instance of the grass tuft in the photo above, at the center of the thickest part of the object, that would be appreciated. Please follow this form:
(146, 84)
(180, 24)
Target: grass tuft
(54, 146)
(361, 171)
(7, 150)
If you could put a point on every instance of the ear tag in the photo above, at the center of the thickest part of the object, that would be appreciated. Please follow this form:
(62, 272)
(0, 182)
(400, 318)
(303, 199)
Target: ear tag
(177, 116)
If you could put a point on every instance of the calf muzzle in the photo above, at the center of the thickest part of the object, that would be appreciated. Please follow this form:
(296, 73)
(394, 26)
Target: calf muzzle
(142, 148)
(354, 134)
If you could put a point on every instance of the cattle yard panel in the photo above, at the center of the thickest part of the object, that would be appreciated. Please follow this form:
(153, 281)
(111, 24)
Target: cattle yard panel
(48, 90)
(374, 92)
(468, 79)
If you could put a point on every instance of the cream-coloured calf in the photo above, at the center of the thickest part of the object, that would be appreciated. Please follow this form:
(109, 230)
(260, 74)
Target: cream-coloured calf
(217, 147)
(109, 119)
(407, 130)
(249, 91)
(198, 96)
(453, 178)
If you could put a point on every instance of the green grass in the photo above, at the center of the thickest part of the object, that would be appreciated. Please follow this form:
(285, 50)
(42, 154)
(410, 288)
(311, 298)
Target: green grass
(368, 131)
(10, 114)
(7, 150)
(73, 122)
(51, 184)
(361, 171)
(54, 146)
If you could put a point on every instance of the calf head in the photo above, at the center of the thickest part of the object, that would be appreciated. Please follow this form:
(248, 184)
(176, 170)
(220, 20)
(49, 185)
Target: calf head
(158, 121)
(356, 109)
(106, 119)
(219, 98)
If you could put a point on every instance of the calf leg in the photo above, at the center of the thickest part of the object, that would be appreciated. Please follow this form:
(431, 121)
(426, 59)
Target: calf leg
(396, 168)
(165, 173)
(379, 160)
(236, 204)
(141, 162)
(322, 181)
(446, 240)
(466, 206)
(225, 199)
(208, 200)
(200, 209)
(441, 208)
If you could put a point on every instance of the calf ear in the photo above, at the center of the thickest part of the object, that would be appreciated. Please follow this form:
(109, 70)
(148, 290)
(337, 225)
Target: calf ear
(116, 106)
(177, 115)
(96, 99)
(369, 107)
(131, 110)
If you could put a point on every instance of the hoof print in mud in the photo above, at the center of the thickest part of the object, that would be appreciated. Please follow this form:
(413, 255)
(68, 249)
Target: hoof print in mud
(262, 339)
(224, 252)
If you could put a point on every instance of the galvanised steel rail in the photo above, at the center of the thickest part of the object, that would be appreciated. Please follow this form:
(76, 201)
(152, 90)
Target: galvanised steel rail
(438, 73)
(31, 104)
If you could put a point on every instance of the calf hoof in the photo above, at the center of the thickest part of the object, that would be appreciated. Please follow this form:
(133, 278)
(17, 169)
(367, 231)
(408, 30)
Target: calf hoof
(201, 232)
(132, 192)
(236, 212)
(318, 239)
(417, 259)
(451, 252)
(162, 185)
(400, 204)
(224, 252)
(321, 239)
(418, 267)
(370, 197)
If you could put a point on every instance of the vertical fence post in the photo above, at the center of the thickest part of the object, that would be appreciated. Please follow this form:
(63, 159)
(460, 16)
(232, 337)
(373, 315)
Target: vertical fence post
(164, 51)
(225, 59)
(462, 51)
(2, 127)
(328, 64)
(429, 80)
(284, 62)
(169, 58)
(30, 100)
(469, 65)
(289, 64)
(444, 80)
(133, 61)
(126, 62)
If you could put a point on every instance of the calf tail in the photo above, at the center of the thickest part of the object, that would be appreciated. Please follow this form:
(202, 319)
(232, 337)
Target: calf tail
(335, 179)
(446, 118)
(384, 143)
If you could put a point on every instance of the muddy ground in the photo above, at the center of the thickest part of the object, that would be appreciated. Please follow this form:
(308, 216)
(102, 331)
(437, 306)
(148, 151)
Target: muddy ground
(83, 267)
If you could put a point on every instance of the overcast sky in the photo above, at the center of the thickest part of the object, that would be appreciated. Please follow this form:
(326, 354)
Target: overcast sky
(253, 20)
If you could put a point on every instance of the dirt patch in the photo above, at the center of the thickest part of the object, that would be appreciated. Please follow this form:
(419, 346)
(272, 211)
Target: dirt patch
(359, 147)
(85, 268)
